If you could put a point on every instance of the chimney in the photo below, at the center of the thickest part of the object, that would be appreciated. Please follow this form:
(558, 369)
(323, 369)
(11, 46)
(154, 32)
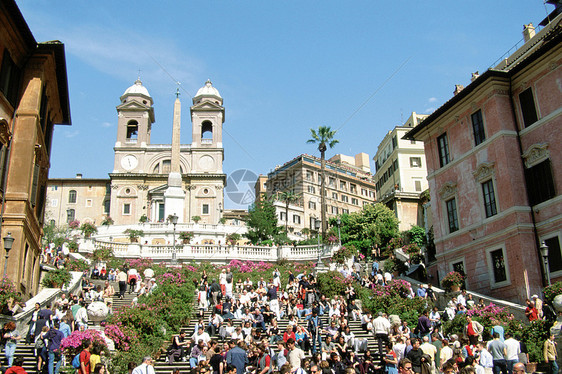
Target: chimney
(474, 76)
(78, 176)
(528, 32)
(458, 88)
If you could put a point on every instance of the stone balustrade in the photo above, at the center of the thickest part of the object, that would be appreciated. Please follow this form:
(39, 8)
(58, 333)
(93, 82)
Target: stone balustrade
(210, 252)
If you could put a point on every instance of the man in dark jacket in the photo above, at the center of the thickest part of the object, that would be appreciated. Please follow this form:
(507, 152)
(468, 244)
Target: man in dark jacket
(315, 327)
(238, 357)
(415, 356)
(54, 337)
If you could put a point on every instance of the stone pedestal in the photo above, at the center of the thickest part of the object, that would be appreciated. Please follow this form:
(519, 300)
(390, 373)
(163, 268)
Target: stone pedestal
(174, 197)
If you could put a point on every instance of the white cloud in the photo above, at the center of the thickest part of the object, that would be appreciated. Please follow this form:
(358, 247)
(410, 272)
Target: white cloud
(71, 134)
(429, 110)
(106, 124)
(432, 99)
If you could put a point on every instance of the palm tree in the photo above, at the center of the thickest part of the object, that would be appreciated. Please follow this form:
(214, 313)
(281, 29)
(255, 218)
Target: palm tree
(288, 197)
(324, 137)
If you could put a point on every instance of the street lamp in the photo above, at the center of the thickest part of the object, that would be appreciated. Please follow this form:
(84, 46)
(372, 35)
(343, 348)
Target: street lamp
(174, 220)
(544, 254)
(8, 242)
(339, 233)
(317, 224)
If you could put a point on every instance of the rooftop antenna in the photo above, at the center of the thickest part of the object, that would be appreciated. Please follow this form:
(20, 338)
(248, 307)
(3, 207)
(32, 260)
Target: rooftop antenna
(138, 76)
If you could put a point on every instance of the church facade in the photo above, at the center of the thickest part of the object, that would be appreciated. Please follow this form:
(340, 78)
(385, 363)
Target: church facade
(139, 183)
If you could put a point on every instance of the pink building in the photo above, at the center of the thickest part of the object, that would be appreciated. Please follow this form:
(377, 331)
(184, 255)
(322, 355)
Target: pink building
(494, 160)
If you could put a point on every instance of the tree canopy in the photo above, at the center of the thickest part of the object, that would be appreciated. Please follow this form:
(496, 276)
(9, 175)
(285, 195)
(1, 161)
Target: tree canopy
(262, 221)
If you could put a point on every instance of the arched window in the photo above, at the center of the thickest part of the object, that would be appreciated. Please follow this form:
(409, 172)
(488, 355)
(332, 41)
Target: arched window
(207, 131)
(72, 197)
(132, 130)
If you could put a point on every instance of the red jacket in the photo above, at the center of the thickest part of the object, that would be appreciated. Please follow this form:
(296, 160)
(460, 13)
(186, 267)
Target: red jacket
(16, 370)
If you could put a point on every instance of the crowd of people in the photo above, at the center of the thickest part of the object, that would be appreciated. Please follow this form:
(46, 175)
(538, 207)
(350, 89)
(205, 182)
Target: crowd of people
(242, 333)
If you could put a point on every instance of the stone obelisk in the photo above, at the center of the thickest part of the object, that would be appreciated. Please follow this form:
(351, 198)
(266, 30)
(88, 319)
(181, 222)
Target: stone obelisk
(174, 197)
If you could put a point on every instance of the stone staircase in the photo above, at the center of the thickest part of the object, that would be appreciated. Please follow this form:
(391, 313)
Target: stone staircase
(161, 366)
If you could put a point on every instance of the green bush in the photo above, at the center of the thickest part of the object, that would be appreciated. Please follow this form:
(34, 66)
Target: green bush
(332, 283)
(103, 254)
(77, 265)
(88, 229)
(534, 335)
(552, 291)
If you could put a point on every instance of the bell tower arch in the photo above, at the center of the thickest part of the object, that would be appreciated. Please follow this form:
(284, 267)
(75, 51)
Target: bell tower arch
(135, 117)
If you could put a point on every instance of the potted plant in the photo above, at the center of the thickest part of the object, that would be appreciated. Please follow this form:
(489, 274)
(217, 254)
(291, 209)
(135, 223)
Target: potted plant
(196, 219)
(74, 224)
(134, 235)
(8, 292)
(344, 253)
(452, 281)
(233, 238)
(72, 246)
(186, 236)
(57, 278)
(222, 220)
(143, 218)
(107, 221)
(88, 229)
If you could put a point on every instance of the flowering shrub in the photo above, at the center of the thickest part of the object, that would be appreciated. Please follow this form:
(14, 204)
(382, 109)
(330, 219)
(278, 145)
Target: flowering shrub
(552, 291)
(232, 239)
(121, 336)
(186, 236)
(250, 266)
(74, 224)
(332, 283)
(396, 287)
(411, 249)
(141, 264)
(454, 278)
(393, 244)
(107, 221)
(77, 264)
(7, 292)
(102, 254)
(72, 345)
(332, 239)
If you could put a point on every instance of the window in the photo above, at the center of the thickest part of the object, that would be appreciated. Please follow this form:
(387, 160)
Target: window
(334, 196)
(489, 198)
(331, 182)
(415, 162)
(443, 146)
(354, 201)
(309, 176)
(334, 210)
(88, 203)
(70, 215)
(344, 211)
(9, 78)
(364, 192)
(395, 164)
(312, 223)
(498, 266)
(207, 132)
(540, 182)
(205, 209)
(72, 197)
(297, 219)
(459, 268)
(394, 142)
(312, 205)
(126, 209)
(106, 206)
(554, 256)
(352, 188)
(282, 216)
(478, 127)
(417, 184)
(344, 198)
(343, 186)
(528, 108)
(311, 189)
(452, 215)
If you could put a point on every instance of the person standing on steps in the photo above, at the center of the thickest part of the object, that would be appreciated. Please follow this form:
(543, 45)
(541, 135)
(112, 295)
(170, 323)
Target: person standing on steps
(122, 279)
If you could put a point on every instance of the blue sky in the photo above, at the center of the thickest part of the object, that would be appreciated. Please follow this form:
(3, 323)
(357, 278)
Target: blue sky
(282, 67)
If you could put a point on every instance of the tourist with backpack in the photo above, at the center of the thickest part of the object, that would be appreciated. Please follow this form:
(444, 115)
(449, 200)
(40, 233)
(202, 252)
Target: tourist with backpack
(84, 358)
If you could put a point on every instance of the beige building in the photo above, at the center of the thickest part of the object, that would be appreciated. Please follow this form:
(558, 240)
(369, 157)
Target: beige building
(82, 199)
(401, 173)
(33, 99)
(349, 187)
(140, 174)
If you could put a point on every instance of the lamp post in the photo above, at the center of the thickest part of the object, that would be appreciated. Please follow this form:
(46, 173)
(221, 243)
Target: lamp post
(339, 233)
(8, 242)
(317, 225)
(174, 220)
(544, 254)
